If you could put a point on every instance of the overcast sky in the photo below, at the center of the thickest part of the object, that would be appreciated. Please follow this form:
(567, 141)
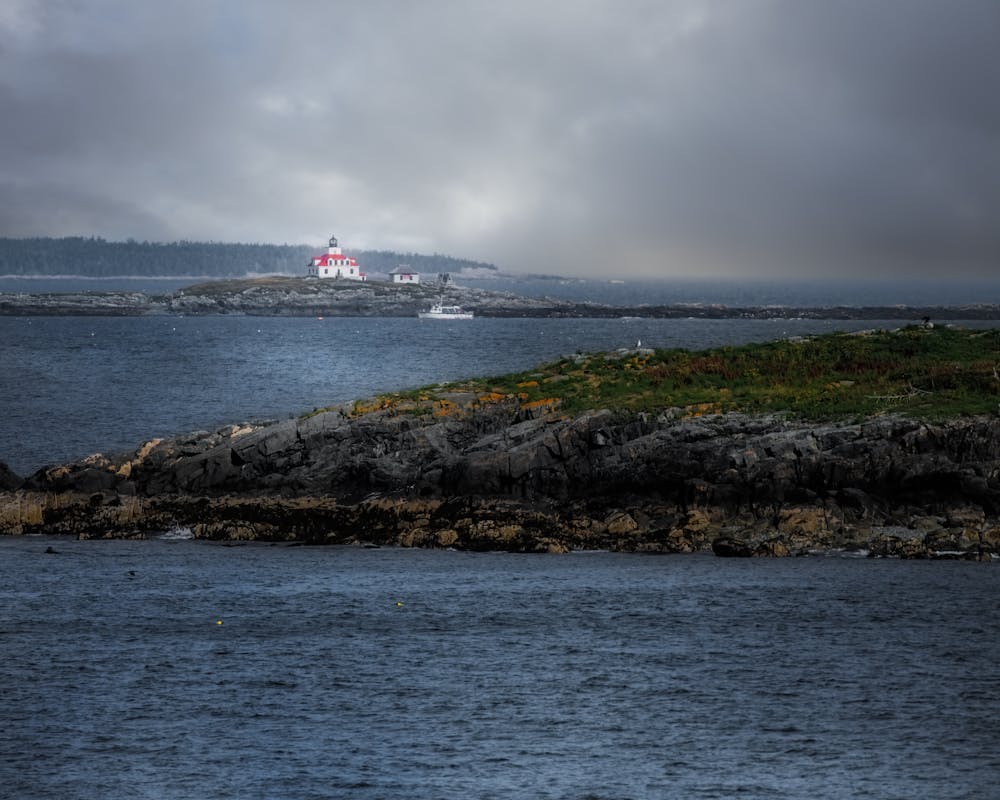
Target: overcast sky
(662, 138)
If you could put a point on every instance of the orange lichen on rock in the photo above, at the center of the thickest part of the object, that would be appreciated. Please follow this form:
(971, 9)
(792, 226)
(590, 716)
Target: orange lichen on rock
(702, 409)
(446, 408)
(375, 404)
(544, 403)
(492, 396)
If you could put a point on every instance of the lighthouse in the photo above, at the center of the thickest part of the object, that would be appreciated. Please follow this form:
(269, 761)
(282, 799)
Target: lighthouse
(334, 264)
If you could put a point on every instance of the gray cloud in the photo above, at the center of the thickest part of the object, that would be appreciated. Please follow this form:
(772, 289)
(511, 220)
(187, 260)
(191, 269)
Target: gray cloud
(762, 137)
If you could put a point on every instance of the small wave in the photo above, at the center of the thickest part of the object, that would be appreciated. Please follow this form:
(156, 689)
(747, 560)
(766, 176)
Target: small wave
(840, 552)
(177, 533)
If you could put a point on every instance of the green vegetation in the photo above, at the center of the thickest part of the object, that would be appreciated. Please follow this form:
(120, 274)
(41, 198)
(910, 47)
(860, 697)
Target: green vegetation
(925, 372)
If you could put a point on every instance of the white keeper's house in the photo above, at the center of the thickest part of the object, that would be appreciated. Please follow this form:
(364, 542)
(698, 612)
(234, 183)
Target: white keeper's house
(334, 264)
(403, 274)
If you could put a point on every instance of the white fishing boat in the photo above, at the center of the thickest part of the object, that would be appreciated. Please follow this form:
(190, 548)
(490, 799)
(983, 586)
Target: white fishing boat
(439, 311)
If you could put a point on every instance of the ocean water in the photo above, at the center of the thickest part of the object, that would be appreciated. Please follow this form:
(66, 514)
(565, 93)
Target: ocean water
(72, 386)
(182, 670)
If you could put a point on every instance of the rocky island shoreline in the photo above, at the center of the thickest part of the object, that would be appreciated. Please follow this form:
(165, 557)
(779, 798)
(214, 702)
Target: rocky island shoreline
(519, 468)
(293, 296)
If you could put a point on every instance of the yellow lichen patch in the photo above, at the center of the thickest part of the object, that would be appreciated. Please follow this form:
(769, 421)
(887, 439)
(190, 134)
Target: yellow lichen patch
(56, 473)
(146, 449)
(382, 403)
(125, 470)
(446, 408)
(702, 409)
(636, 362)
(446, 537)
(412, 406)
(98, 460)
(527, 385)
(492, 396)
(547, 403)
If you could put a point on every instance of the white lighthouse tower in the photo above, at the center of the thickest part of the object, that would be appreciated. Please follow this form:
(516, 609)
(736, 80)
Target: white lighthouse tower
(334, 264)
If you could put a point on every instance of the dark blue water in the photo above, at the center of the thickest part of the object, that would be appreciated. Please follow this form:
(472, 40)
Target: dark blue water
(71, 386)
(351, 673)
(585, 676)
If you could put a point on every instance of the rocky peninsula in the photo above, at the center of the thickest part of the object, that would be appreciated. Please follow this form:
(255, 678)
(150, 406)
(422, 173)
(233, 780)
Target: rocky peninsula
(546, 461)
(297, 296)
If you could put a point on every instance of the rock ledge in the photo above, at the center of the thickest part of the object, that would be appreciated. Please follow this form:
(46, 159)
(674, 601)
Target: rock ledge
(491, 473)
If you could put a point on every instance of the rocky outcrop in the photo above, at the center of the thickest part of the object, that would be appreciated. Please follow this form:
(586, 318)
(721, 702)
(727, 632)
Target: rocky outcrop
(98, 304)
(490, 472)
(281, 296)
(8, 478)
(312, 296)
(299, 296)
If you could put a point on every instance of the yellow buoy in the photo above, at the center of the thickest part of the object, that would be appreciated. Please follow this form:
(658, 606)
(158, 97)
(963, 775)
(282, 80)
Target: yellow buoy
(218, 622)
(398, 603)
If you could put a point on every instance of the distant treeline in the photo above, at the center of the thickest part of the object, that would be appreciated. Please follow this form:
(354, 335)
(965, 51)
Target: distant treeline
(98, 258)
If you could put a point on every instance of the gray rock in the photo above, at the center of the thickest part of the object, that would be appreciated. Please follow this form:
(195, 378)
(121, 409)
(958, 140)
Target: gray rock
(785, 487)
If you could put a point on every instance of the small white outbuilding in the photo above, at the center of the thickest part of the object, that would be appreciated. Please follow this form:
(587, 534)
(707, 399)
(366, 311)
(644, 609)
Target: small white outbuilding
(403, 274)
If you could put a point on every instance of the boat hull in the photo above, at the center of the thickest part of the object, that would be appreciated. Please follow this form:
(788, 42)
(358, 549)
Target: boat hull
(441, 311)
(445, 315)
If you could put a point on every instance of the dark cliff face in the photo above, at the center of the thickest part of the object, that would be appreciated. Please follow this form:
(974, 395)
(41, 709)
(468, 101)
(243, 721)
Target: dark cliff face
(735, 462)
(8, 478)
(750, 484)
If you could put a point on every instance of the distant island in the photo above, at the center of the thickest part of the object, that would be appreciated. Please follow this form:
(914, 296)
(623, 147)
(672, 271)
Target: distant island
(877, 443)
(98, 258)
(280, 295)
(275, 280)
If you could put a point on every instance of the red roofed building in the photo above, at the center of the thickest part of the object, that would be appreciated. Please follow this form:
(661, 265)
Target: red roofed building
(334, 264)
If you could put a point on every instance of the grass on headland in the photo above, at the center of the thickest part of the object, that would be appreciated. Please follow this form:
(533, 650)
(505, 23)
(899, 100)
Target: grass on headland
(931, 373)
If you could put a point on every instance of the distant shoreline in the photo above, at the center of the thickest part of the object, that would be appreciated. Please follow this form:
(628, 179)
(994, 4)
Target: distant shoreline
(294, 296)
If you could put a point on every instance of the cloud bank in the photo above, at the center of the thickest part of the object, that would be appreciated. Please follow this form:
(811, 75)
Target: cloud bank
(666, 138)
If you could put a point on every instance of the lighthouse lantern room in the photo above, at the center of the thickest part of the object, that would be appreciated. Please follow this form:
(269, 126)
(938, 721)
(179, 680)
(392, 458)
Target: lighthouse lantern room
(334, 264)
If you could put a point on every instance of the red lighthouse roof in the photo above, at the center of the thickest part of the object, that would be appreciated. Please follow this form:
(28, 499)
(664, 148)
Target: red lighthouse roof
(327, 260)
